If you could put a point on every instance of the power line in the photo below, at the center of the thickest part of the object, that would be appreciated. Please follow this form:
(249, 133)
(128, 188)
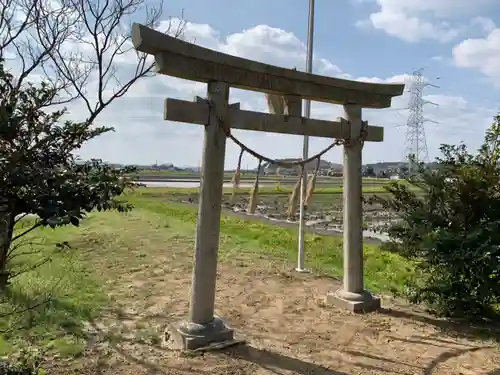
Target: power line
(416, 141)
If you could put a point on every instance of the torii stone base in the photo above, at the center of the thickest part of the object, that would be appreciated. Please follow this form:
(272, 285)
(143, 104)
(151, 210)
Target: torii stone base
(355, 302)
(191, 336)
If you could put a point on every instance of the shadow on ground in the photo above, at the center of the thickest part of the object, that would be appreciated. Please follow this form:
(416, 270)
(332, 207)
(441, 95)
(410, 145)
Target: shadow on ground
(464, 329)
(272, 361)
(246, 359)
(149, 357)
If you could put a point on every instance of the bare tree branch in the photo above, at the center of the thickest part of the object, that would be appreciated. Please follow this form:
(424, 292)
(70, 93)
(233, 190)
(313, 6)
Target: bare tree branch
(33, 227)
(15, 18)
(104, 37)
(20, 21)
(78, 45)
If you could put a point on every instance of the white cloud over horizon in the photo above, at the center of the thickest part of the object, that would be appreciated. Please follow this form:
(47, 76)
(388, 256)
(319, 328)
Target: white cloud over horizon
(419, 20)
(444, 21)
(142, 137)
(482, 54)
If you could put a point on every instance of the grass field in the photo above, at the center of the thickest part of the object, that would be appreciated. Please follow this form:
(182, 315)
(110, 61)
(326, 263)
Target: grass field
(108, 246)
(124, 276)
(324, 212)
(263, 190)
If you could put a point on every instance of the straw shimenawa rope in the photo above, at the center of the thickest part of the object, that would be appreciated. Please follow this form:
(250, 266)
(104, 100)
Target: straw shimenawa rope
(262, 158)
(236, 177)
(311, 185)
(293, 202)
(276, 104)
(252, 203)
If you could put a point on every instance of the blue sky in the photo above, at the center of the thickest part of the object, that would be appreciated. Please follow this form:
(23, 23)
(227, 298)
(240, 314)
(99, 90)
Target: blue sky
(456, 41)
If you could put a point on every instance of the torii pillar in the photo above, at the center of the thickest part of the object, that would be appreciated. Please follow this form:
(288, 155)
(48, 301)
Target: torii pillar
(352, 295)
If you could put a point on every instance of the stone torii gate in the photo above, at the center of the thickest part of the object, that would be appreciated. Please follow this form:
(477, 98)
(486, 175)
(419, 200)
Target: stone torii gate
(181, 59)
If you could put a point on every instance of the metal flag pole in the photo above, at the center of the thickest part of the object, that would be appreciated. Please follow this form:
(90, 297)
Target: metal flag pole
(305, 149)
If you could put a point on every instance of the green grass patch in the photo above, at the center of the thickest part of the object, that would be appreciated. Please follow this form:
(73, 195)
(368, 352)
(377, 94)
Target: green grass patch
(384, 271)
(188, 174)
(92, 278)
(263, 190)
(48, 303)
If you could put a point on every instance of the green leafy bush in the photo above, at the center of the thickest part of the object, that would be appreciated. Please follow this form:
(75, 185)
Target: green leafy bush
(39, 172)
(450, 228)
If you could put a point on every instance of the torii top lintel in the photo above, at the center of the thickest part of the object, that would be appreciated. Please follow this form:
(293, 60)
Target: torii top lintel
(177, 58)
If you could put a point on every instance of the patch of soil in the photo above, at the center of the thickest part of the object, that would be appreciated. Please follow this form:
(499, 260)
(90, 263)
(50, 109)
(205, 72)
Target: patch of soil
(288, 329)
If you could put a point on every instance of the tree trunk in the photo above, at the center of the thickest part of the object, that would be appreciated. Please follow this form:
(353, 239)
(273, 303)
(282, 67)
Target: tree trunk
(6, 231)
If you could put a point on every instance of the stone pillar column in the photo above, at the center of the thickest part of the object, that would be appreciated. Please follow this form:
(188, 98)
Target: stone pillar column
(202, 327)
(352, 295)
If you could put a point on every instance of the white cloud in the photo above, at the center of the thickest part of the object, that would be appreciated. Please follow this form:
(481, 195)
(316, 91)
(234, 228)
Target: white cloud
(482, 54)
(485, 24)
(417, 20)
(441, 8)
(142, 136)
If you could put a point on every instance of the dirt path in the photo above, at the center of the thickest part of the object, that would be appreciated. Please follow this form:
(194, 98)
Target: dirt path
(282, 317)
